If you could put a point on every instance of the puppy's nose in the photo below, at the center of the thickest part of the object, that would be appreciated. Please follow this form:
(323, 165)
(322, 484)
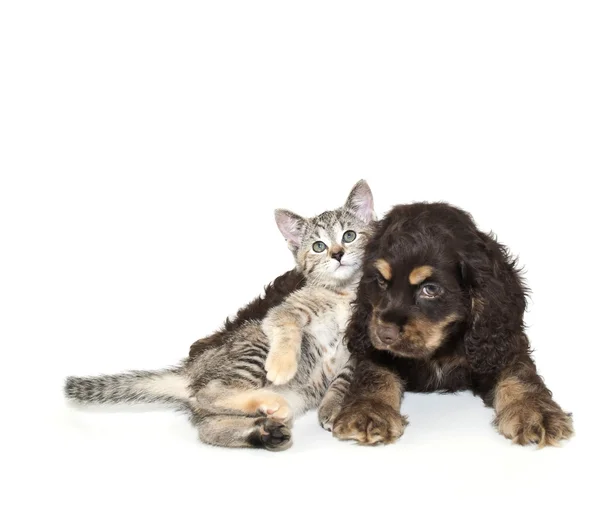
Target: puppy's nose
(388, 334)
(338, 256)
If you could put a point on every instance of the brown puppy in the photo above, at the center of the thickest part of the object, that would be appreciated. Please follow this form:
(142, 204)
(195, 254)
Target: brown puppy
(440, 308)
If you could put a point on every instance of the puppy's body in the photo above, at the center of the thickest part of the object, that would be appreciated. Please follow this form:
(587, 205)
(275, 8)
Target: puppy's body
(440, 308)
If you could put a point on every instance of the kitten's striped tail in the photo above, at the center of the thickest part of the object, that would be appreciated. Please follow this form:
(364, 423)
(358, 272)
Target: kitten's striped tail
(166, 386)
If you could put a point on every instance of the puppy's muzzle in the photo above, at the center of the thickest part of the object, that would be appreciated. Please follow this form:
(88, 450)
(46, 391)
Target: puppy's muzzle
(388, 334)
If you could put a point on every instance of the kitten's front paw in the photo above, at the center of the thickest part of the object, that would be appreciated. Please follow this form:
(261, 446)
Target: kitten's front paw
(281, 367)
(369, 422)
(328, 412)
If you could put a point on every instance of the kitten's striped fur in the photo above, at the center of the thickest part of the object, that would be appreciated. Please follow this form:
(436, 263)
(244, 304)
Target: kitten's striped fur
(232, 398)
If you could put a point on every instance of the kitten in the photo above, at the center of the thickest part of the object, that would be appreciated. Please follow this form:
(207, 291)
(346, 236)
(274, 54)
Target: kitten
(245, 389)
(275, 293)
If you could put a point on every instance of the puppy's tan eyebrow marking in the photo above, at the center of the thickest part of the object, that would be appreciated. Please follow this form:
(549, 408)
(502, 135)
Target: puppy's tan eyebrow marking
(384, 268)
(419, 274)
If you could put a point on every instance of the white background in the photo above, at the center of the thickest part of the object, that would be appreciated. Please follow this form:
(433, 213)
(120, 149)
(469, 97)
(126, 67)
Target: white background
(143, 148)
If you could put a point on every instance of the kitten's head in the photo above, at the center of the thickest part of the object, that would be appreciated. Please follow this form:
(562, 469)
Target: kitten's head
(328, 248)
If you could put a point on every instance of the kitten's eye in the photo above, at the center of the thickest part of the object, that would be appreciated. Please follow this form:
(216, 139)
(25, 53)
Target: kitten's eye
(319, 247)
(349, 236)
(430, 291)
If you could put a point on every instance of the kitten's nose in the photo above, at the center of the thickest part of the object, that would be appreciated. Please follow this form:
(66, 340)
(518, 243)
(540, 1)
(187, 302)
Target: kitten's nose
(338, 256)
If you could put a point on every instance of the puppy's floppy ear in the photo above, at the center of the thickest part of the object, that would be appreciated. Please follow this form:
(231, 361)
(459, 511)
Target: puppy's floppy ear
(497, 303)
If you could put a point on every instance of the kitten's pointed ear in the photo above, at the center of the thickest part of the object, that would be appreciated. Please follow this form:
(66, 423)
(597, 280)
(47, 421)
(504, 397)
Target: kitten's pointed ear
(291, 227)
(360, 201)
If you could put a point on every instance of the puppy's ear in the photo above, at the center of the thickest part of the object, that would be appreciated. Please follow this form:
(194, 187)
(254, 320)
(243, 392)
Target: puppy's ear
(497, 303)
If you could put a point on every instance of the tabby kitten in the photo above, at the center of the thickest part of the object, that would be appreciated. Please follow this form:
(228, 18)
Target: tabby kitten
(245, 391)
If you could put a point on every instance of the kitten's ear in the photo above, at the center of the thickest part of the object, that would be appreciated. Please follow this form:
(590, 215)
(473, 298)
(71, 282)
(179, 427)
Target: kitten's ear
(360, 201)
(291, 227)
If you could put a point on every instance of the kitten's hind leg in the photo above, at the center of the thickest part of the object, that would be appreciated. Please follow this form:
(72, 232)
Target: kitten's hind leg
(243, 431)
(245, 401)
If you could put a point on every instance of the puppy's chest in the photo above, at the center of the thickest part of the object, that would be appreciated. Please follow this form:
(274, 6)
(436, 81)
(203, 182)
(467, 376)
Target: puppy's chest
(447, 373)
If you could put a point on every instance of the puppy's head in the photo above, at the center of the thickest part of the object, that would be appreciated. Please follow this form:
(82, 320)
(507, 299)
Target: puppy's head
(416, 302)
(429, 273)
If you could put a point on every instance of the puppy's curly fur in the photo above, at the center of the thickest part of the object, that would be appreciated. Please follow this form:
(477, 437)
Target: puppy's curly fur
(440, 308)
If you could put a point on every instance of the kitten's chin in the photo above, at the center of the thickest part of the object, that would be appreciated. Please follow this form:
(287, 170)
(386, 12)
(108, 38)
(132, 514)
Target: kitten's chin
(344, 273)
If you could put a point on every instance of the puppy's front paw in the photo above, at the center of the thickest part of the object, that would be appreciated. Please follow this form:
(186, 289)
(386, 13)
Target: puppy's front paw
(281, 366)
(534, 421)
(369, 422)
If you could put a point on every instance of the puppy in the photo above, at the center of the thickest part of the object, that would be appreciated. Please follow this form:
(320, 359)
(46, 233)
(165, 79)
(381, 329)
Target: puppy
(440, 308)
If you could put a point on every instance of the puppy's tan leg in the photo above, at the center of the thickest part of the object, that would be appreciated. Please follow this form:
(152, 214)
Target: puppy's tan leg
(525, 410)
(370, 412)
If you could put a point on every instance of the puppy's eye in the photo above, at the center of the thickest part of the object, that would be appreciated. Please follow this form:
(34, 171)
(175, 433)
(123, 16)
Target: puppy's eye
(430, 291)
(349, 236)
(319, 247)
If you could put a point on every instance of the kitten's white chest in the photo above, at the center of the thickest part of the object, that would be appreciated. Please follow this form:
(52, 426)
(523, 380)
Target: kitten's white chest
(328, 328)
(328, 332)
